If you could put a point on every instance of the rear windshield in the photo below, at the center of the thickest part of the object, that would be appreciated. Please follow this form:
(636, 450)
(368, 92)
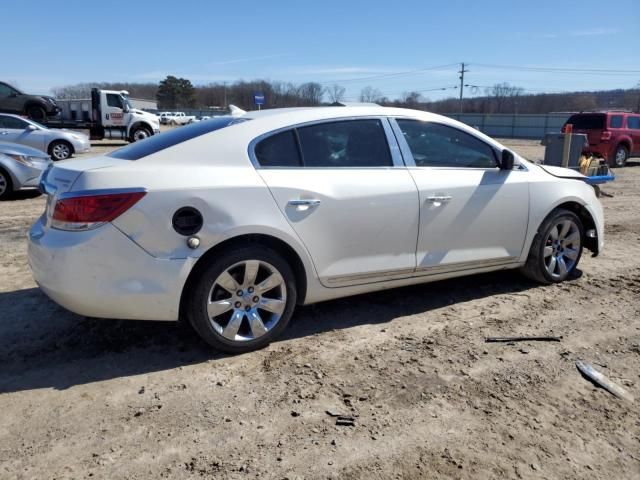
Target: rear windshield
(178, 135)
(590, 121)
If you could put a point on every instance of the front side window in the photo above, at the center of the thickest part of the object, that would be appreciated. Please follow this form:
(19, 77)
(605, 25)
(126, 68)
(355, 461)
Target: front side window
(616, 121)
(435, 145)
(114, 100)
(350, 143)
(12, 122)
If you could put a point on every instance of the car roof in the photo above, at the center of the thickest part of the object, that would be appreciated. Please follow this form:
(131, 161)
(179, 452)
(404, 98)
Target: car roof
(277, 118)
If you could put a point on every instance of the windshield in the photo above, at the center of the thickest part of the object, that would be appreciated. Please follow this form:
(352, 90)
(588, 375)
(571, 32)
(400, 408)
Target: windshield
(164, 140)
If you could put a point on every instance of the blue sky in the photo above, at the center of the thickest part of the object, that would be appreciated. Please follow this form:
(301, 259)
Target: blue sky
(67, 42)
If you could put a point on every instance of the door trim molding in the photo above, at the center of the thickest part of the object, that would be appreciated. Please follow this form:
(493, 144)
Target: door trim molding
(398, 274)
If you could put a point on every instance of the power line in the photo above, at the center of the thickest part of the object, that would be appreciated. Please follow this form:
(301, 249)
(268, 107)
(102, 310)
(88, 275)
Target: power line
(394, 74)
(591, 71)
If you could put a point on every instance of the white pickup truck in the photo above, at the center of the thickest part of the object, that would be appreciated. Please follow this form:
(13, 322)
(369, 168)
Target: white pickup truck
(179, 118)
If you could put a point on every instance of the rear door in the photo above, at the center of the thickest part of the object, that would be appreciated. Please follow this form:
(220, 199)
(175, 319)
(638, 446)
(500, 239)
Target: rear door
(347, 195)
(11, 100)
(472, 214)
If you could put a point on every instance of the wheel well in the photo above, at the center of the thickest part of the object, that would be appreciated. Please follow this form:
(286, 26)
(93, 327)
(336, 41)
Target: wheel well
(60, 140)
(625, 144)
(288, 253)
(33, 103)
(587, 222)
(136, 125)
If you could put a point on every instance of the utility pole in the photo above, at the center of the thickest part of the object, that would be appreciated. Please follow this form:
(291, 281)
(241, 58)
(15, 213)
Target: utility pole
(462, 72)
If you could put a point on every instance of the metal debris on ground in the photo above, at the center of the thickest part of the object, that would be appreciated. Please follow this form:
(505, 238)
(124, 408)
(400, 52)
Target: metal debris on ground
(523, 339)
(345, 421)
(599, 379)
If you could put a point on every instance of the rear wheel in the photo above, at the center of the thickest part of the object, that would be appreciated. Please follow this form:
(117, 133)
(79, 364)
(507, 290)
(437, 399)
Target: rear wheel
(36, 113)
(6, 187)
(556, 248)
(620, 156)
(243, 299)
(60, 150)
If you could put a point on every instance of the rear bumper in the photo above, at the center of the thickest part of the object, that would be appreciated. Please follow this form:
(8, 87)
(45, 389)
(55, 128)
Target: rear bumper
(101, 273)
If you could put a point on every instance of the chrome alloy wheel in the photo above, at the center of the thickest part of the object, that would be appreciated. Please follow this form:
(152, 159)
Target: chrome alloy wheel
(561, 248)
(247, 300)
(61, 151)
(3, 183)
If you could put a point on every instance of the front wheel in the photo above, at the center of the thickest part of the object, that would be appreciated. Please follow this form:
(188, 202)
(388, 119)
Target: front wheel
(6, 188)
(60, 150)
(243, 299)
(620, 156)
(36, 113)
(139, 133)
(556, 248)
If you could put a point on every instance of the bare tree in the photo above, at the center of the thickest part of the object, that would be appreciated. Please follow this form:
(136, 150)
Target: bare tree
(335, 93)
(370, 94)
(504, 95)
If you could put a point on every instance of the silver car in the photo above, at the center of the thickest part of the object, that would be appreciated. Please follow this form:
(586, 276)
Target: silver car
(20, 168)
(59, 144)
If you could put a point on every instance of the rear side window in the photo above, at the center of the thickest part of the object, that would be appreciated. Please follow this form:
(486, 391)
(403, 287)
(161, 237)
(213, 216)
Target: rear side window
(351, 143)
(615, 121)
(279, 150)
(588, 121)
(435, 145)
(633, 122)
(164, 140)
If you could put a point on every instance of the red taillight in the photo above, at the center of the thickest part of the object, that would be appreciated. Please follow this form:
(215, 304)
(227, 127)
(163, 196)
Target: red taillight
(83, 212)
(606, 135)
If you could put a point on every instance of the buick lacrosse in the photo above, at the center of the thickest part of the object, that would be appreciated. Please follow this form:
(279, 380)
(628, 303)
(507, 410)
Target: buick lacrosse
(232, 222)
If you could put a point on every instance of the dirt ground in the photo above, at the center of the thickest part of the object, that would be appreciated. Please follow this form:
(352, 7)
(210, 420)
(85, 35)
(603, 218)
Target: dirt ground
(83, 398)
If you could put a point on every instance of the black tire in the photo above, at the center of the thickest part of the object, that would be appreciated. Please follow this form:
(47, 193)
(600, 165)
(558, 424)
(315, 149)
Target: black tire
(620, 156)
(60, 150)
(37, 113)
(139, 133)
(201, 290)
(536, 268)
(6, 185)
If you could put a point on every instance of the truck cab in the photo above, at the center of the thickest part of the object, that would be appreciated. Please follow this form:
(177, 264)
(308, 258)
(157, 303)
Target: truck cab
(117, 115)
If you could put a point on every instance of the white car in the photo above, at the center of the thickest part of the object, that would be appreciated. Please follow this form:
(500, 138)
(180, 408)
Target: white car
(232, 222)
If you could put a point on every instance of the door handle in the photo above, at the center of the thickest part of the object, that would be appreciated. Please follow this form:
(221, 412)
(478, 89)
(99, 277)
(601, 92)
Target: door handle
(438, 200)
(304, 204)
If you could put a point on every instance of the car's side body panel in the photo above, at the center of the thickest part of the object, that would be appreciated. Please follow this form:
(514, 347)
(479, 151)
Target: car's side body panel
(361, 237)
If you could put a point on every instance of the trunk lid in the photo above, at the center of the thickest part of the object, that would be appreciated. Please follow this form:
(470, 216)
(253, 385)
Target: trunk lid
(61, 176)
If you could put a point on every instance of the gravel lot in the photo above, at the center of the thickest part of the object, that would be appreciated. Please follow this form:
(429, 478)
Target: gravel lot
(94, 398)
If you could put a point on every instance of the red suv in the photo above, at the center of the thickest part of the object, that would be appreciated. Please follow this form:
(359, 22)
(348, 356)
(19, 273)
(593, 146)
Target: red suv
(613, 135)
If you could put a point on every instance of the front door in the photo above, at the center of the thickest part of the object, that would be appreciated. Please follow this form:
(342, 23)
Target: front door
(17, 130)
(349, 199)
(113, 110)
(472, 214)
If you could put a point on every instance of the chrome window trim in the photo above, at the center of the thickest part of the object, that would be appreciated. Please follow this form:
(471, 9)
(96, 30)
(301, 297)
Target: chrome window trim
(394, 149)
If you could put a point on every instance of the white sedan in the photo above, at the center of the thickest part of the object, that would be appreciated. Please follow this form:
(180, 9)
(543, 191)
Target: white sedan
(232, 222)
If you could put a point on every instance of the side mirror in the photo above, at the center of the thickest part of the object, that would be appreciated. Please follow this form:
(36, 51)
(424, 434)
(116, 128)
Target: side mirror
(125, 108)
(30, 128)
(507, 161)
